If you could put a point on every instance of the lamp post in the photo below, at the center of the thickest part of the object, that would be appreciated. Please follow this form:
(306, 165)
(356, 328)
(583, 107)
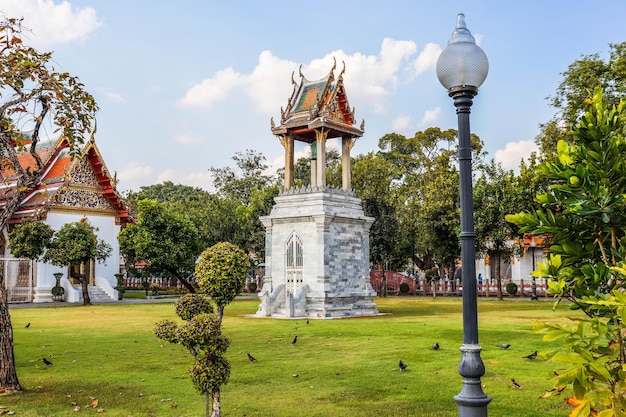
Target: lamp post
(533, 295)
(461, 68)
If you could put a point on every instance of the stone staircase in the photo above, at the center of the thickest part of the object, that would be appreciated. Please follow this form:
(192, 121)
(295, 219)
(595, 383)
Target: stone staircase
(96, 295)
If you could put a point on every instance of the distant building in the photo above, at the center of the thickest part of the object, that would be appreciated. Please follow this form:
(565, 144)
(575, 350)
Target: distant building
(70, 189)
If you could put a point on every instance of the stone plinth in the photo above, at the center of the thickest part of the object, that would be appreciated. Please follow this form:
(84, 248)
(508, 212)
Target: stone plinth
(317, 256)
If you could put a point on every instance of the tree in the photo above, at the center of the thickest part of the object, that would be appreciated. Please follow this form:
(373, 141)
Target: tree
(579, 81)
(583, 217)
(221, 273)
(76, 244)
(202, 335)
(34, 98)
(167, 241)
(496, 194)
(29, 239)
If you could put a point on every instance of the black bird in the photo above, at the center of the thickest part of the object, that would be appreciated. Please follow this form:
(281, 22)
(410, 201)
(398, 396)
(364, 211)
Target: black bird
(295, 339)
(504, 346)
(402, 365)
(307, 321)
(251, 358)
(46, 361)
(531, 355)
(28, 325)
(515, 384)
(436, 346)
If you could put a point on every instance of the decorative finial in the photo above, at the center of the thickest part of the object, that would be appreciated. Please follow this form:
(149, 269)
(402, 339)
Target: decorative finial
(461, 32)
(272, 122)
(300, 71)
(293, 81)
(362, 124)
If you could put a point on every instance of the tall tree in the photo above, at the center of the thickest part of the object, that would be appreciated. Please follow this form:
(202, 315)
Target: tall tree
(34, 98)
(579, 81)
(497, 193)
(167, 241)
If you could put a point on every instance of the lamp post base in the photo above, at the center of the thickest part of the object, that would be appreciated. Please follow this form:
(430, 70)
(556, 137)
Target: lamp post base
(472, 401)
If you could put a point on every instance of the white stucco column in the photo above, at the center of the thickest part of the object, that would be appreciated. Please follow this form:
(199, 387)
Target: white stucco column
(346, 168)
(321, 135)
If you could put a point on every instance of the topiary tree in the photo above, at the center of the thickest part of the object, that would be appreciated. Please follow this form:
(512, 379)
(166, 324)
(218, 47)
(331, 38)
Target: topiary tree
(201, 334)
(583, 217)
(221, 273)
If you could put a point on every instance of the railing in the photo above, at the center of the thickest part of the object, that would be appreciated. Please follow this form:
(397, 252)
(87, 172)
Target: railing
(19, 279)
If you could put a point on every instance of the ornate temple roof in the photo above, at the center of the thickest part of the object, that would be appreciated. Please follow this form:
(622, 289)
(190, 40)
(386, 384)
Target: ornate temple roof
(318, 104)
(67, 183)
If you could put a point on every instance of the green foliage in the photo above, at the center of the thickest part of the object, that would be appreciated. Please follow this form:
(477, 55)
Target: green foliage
(404, 288)
(221, 272)
(166, 240)
(29, 239)
(76, 243)
(511, 288)
(583, 217)
(201, 334)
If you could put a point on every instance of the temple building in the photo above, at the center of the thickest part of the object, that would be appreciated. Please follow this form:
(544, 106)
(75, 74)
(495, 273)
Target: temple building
(317, 237)
(71, 189)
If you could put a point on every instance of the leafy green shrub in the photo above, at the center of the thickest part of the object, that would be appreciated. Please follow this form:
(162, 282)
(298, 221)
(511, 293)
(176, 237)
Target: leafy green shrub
(404, 288)
(252, 287)
(511, 288)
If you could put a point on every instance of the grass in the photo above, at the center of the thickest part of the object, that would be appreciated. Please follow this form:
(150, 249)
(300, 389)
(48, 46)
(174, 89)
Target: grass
(342, 368)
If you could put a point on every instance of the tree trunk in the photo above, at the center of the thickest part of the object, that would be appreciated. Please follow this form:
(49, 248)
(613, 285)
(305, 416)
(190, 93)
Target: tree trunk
(383, 281)
(8, 373)
(85, 289)
(216, 403)
(499, 278)
(183, 281)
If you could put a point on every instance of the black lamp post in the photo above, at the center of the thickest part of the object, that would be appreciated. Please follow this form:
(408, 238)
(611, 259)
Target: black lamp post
(533, 295)
(461, 68)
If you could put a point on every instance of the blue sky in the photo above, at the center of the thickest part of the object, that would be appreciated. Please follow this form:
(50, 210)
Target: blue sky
(183, 86)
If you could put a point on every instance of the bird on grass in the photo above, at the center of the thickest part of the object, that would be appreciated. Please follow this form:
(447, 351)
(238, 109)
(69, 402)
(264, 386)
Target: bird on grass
(307, 321)
(27, 325)
(402, 365)
(504, 346)
(251, 358)
(295, 339)
(46, 361)
(531, 355)
(515, 384)
(436, 346)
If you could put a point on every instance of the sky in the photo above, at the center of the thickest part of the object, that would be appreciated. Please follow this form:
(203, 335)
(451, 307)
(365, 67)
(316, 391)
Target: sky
(183, 86)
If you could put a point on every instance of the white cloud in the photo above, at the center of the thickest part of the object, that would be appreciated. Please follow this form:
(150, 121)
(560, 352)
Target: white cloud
(199, 179)
(513, 153)
(401, 123)
(369, 78)
(133, 175)
(52, 23)
(426, 60)
(212, 89)
(115, 97)
(430, 116)
(188, 138)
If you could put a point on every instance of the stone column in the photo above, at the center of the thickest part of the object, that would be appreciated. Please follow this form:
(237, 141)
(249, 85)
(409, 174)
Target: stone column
(321, 136)
(346, 168)
(287, 142)
(313, 164)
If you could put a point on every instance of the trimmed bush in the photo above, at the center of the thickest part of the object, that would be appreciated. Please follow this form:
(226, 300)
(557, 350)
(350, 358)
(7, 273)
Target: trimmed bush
(404, 288)
(252, 287)
(511, 288)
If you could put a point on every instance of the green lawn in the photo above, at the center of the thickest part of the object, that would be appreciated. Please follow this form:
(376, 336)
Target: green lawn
(337, 368)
